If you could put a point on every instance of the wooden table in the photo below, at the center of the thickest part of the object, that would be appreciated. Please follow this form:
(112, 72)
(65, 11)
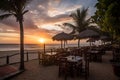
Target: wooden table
(95, 55)
(75, 63)
(49, 58)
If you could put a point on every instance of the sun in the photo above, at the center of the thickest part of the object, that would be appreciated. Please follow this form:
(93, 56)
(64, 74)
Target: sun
(41, 40)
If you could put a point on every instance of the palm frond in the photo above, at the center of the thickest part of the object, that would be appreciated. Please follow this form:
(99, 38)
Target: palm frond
(84, 14)
(79, 18)
(23, 3)
(25, 12)
(4, 6)
(78, 13)
(73, 31)
(5, 16)
(69, 25)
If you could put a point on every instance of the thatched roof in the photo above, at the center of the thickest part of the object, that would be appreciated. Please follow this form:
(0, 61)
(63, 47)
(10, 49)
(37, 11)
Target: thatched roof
(91, 40)
(62, 36)
(87, 34)
(105, 38)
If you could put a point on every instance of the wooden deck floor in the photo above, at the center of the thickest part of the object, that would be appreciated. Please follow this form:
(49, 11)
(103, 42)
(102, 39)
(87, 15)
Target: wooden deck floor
(6, 70)
(98, 71)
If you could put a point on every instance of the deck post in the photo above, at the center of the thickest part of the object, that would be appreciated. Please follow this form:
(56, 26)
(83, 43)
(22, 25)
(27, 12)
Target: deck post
(7, 59)
(27, 56)
(39, 57)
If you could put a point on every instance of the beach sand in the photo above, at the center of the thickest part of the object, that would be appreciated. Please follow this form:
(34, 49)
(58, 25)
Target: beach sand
(98, 71)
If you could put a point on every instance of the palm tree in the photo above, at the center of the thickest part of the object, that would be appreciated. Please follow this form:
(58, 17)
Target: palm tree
(15, 8)
(80, 21)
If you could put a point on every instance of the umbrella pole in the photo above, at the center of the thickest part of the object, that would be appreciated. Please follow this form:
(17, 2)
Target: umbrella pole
(61, 43)
(78, 43)
(90, 43)
(104, 43)
(44, 48)
(64, 43)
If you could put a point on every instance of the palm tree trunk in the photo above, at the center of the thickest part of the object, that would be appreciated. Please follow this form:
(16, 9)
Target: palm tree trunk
(21, 46)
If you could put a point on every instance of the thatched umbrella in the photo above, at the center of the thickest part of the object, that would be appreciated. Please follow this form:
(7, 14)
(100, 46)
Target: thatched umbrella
(86, 34)
(105, 39)
(62, 37)
(91, 40)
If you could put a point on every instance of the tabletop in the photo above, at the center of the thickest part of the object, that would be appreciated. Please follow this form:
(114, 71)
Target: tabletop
(72, 58)
(49, 53)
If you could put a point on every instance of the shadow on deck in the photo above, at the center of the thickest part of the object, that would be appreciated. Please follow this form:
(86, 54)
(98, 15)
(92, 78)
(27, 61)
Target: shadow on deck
(8, 71)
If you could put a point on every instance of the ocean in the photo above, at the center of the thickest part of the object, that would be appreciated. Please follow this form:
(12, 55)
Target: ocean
(16, 47)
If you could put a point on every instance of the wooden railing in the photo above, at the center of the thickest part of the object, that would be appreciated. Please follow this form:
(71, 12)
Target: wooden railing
(15, 58)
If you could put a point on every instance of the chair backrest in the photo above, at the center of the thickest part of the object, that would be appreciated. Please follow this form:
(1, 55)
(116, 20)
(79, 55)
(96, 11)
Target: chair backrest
(116, 54)
(87, 60)
(40, 55)
(62, 61)
(80, 52)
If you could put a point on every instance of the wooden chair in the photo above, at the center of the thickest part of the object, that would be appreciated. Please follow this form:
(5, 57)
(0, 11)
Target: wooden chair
(63, 68)
(86, 64)
(79, 68)
(40, 57)
(76, 52)
(43, 59)
(99, 56)
(60, 55)
(87, 57)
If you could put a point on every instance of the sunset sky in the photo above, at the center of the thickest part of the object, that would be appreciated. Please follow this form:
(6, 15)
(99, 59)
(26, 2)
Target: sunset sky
(42, 20)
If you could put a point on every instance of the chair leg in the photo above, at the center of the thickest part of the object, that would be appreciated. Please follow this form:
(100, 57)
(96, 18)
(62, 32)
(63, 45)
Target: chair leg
(65, 77)
(86, 78)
